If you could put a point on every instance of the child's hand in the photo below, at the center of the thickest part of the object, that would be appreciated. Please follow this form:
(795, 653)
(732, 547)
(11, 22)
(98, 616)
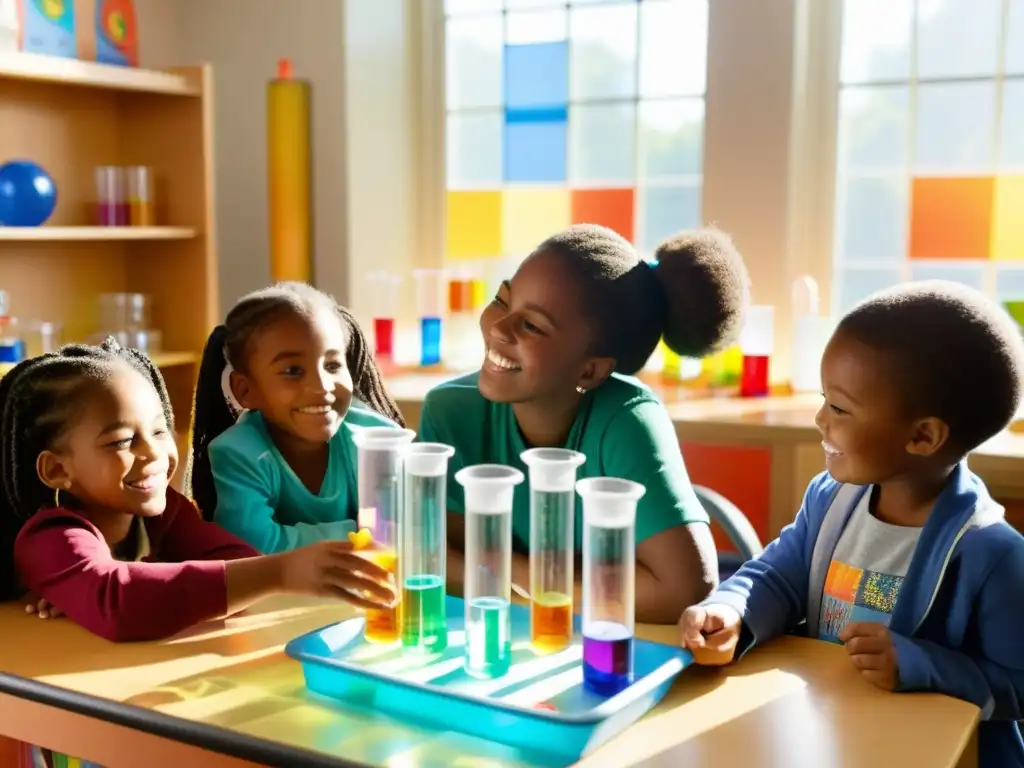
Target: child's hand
(870, 647)
(42, 608)
(710, 632)
(332, 569)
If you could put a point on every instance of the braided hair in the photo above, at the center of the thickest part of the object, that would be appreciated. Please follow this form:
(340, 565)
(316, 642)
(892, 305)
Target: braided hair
(231, 343)
(39, 401)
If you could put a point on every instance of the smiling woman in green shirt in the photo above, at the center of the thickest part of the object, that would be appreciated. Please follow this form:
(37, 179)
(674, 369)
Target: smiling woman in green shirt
(562, 338)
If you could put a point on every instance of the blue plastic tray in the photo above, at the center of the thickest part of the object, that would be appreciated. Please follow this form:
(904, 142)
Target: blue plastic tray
(435, 690)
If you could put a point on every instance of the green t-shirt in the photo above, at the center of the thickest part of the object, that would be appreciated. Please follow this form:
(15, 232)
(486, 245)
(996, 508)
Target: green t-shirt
(261, 500)
(622, 429)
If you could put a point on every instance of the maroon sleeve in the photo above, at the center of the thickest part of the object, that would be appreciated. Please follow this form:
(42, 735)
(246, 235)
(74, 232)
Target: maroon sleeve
(186, 536)
(61, 557)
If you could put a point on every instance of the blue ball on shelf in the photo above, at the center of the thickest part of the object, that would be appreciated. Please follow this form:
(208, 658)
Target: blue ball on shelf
(28, 194)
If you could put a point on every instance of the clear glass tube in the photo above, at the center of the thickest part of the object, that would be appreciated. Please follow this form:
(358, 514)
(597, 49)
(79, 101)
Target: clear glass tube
(609, 581)
(424, 548)
(379, 475)
(489, 490)
(552, 544)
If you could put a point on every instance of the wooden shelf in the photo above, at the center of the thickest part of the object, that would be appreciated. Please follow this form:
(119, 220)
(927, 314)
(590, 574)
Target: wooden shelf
(71, 117)
(93, 234)
(172, 359)
(62, 71)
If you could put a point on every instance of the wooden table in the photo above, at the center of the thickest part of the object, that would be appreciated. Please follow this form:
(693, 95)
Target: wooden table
(225, 694)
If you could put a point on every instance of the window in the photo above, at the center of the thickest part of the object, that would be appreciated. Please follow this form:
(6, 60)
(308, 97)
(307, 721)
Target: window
(930, 146)
(566, 112)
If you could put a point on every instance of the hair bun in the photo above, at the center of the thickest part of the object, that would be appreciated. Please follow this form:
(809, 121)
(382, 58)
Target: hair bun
(707, 290)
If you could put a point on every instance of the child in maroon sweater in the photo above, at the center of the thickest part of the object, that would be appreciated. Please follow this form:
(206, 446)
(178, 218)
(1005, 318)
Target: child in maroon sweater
(86, 454)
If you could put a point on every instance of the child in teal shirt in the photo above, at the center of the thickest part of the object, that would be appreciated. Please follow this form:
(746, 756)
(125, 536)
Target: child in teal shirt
(283, 385)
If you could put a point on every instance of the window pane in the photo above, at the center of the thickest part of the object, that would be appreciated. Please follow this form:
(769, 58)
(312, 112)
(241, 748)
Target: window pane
(473, 69)
(1011, 142)
(854, 285)
(602, 145)
(536, 27)
(1010, 291)
(665, 211)
(536, 75)
(1010, 284)
(872, 219)
(876, 40)
(604, 51)
(671, 138)
(516, 4)
(972, 276)
(1015, 38)
(955, 127)
(673, 47)
(471, 6)
(958, 37)
(535, 151)
(874, 125)
(474, 150)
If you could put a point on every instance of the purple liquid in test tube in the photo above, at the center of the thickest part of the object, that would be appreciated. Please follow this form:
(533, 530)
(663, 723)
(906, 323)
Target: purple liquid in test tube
(609, 581)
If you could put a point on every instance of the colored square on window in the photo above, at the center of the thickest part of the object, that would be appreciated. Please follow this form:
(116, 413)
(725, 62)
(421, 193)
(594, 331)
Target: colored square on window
(951, 218)
(612, 208)
(537, 75)
(535, 150)
(530, 216)
(473, 224)
(1008, 219)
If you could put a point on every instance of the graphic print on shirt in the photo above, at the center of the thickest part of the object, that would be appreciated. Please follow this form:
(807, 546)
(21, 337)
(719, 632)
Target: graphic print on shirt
(855, 594)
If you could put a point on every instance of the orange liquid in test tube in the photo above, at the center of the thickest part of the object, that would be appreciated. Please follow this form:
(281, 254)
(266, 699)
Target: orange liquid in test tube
(383, 626)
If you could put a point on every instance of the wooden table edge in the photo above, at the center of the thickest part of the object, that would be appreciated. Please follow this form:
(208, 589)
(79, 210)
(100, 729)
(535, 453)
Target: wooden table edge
(34, 712)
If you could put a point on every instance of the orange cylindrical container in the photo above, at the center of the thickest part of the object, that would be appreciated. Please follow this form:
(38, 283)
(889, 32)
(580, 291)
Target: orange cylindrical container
(289, 173)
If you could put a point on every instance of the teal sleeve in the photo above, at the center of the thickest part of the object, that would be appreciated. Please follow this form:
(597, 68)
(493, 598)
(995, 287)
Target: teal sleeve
(640, 444)
(429, 433)
(246, 494)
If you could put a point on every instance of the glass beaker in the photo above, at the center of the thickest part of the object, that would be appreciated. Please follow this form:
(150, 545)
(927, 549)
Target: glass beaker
(424, 547)
(379, 476)
(552, 544)
(489, 490)
(609, 581)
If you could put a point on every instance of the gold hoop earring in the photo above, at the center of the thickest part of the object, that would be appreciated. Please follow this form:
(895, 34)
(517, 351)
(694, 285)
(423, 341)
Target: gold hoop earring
(581, 390)
(56, 494)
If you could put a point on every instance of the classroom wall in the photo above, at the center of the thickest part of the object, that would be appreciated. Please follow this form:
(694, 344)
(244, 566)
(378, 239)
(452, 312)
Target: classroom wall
(359, 57)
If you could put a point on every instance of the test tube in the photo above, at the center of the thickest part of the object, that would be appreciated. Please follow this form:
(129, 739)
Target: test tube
(140, 196)
(757, 338)
(552, 544)
(384, 295)
(425, 547)
(489, 490)
(430, 304)
(378, 475)
(609, 581)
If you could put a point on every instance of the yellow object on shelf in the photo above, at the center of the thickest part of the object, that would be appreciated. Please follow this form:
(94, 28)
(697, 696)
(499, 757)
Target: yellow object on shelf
(289, 169)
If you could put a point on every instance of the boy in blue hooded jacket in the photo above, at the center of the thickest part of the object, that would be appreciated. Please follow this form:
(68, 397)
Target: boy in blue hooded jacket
(898, 551)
